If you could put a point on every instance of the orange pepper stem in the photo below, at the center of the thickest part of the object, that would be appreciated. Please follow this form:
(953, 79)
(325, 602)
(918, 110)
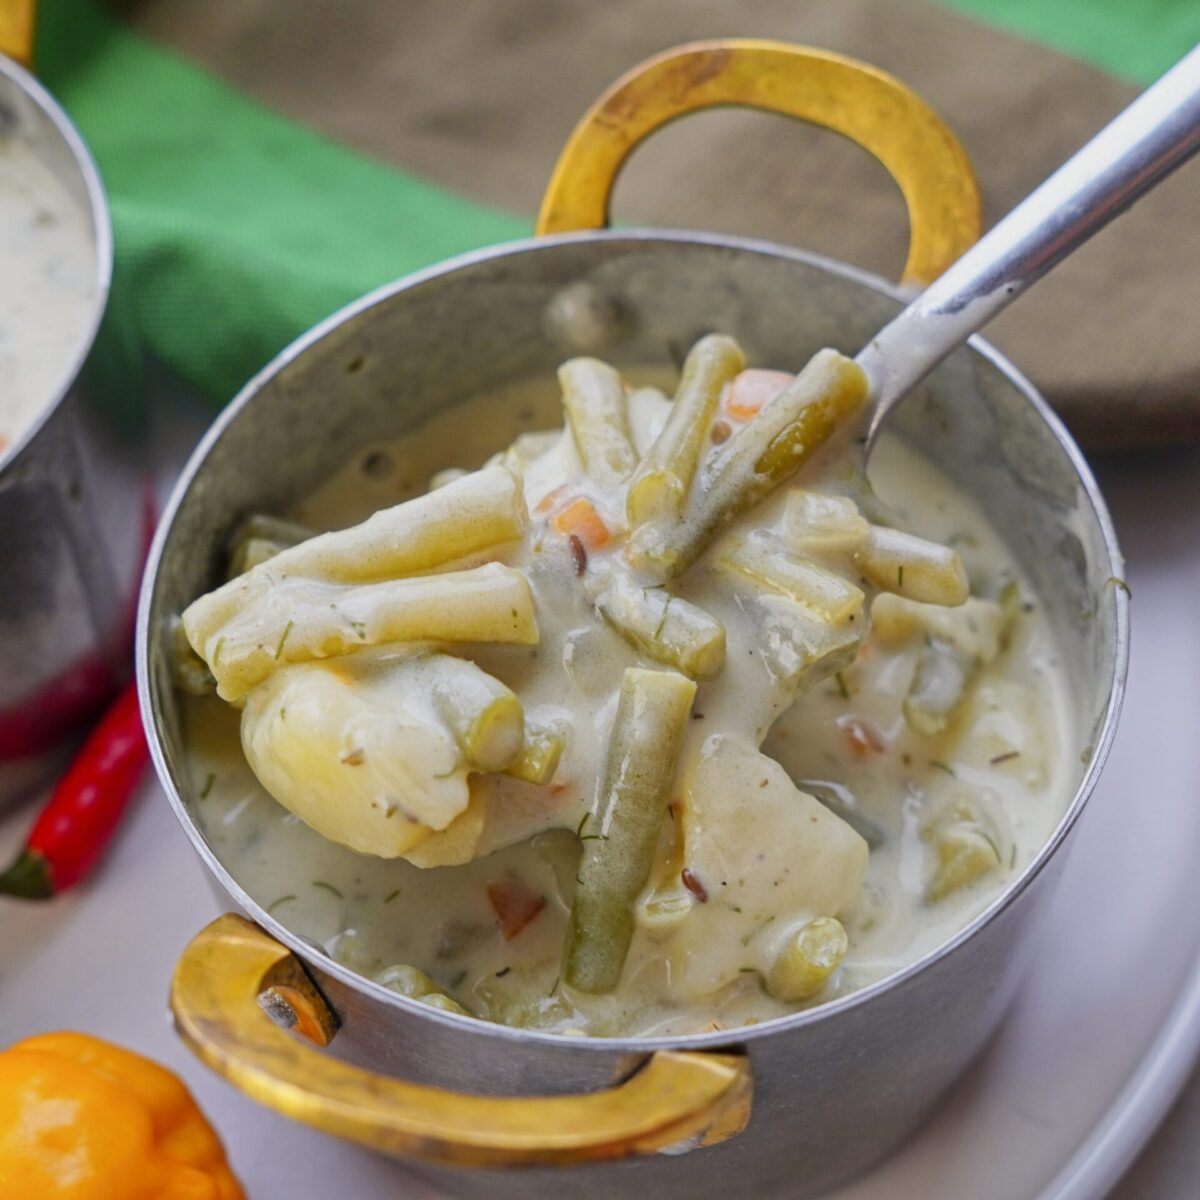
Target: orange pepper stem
(28, 878)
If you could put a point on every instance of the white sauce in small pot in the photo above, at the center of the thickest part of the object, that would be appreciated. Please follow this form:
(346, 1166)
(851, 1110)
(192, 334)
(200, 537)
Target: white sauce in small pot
(1011, 756)
(47, 285)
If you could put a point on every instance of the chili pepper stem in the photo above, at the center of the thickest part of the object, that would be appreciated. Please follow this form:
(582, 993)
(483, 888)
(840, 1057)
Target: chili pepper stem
(28, 878)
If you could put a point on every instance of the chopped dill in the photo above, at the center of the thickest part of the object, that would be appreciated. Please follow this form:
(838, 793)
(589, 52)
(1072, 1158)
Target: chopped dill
(582, 823)
(997, 759)
(941, 766)
(554, 985)
(320, 883)
(746, 970)
(359, 628)
(1113, 581)
(283, 637)
(1012, 857)
(841, 683)
(391, 896)
(502, 972)
(900, 576)
(276, 903)
(209, 780)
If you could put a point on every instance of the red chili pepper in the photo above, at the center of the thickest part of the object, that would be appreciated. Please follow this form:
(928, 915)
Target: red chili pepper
(77, 824)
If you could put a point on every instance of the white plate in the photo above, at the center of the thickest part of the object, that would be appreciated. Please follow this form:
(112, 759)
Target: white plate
(1091, 1056)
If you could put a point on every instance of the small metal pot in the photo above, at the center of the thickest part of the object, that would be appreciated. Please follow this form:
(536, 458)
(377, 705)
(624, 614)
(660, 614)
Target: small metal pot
(792, 1105)
(73, 522)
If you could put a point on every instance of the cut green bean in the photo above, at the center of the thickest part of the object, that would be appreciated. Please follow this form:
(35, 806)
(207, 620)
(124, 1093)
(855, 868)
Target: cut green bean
(408, 981)
(660, 484)
(189, 671)
(416, 985)
(594, 399)
(807, 960)
(826, 595)
(912, 567)
(643, 749)
(816, 523)
(260, 537)
(965, 850)
(663, 627)
(539, 756)
(939, 686)
(801, 650)
(484, 716)
(479, 512)
(761, 456)
(299, 620)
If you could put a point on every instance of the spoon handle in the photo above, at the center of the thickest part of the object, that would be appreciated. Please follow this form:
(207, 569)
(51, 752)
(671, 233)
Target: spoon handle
(1158, 132)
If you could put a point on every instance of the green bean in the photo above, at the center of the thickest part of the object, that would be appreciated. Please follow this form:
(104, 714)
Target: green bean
(260, 537)
(443, 1002)
(826, 595)
(484, 716)
(799, 649)
(594, 398)
(406, 980)
(939, 686)
(539, 756)
(664, 627)
(189, 671)
(814, 521)
(808, 959)
(964, 849)
(912, 567)
(416, 985)
(761, 456)
(249, 552)
(479, 512)
(302, 620)
(660, 484)
(643, 749)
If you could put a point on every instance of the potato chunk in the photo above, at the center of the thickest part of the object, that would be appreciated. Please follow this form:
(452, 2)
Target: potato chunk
(354, 753)
(762, 859)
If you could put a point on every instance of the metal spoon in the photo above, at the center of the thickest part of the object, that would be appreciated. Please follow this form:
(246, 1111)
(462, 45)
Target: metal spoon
(1158, 132)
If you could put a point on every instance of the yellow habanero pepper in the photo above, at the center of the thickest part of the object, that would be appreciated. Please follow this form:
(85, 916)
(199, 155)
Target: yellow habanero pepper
(81, 1119)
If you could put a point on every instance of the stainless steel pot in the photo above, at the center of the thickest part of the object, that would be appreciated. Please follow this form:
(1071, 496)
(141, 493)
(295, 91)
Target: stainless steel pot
(73, 519)
(787, 1107)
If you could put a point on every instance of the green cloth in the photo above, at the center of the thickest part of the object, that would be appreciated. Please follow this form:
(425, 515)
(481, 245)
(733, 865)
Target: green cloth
(235, 229)
(1135, 40)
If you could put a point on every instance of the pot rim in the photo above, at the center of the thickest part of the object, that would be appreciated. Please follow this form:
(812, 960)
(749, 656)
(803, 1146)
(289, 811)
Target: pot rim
(102, 235)
(628, 1045)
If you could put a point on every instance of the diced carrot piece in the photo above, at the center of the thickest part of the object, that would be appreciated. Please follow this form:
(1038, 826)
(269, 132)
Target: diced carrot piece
(515, 905)
(581, 519)
(751, 389)
(550, 499)
(864, 739)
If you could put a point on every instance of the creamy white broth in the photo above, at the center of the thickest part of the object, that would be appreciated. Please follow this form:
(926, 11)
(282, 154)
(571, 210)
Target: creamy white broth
(1007, 755)
(47, 285)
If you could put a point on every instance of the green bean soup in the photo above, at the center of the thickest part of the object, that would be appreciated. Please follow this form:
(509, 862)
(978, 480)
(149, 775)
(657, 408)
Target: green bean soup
(661, 721)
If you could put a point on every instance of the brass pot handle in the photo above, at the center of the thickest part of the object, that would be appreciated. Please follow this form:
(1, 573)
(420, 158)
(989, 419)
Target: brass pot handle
(232, 972)
(16, 29)
(865, 104)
